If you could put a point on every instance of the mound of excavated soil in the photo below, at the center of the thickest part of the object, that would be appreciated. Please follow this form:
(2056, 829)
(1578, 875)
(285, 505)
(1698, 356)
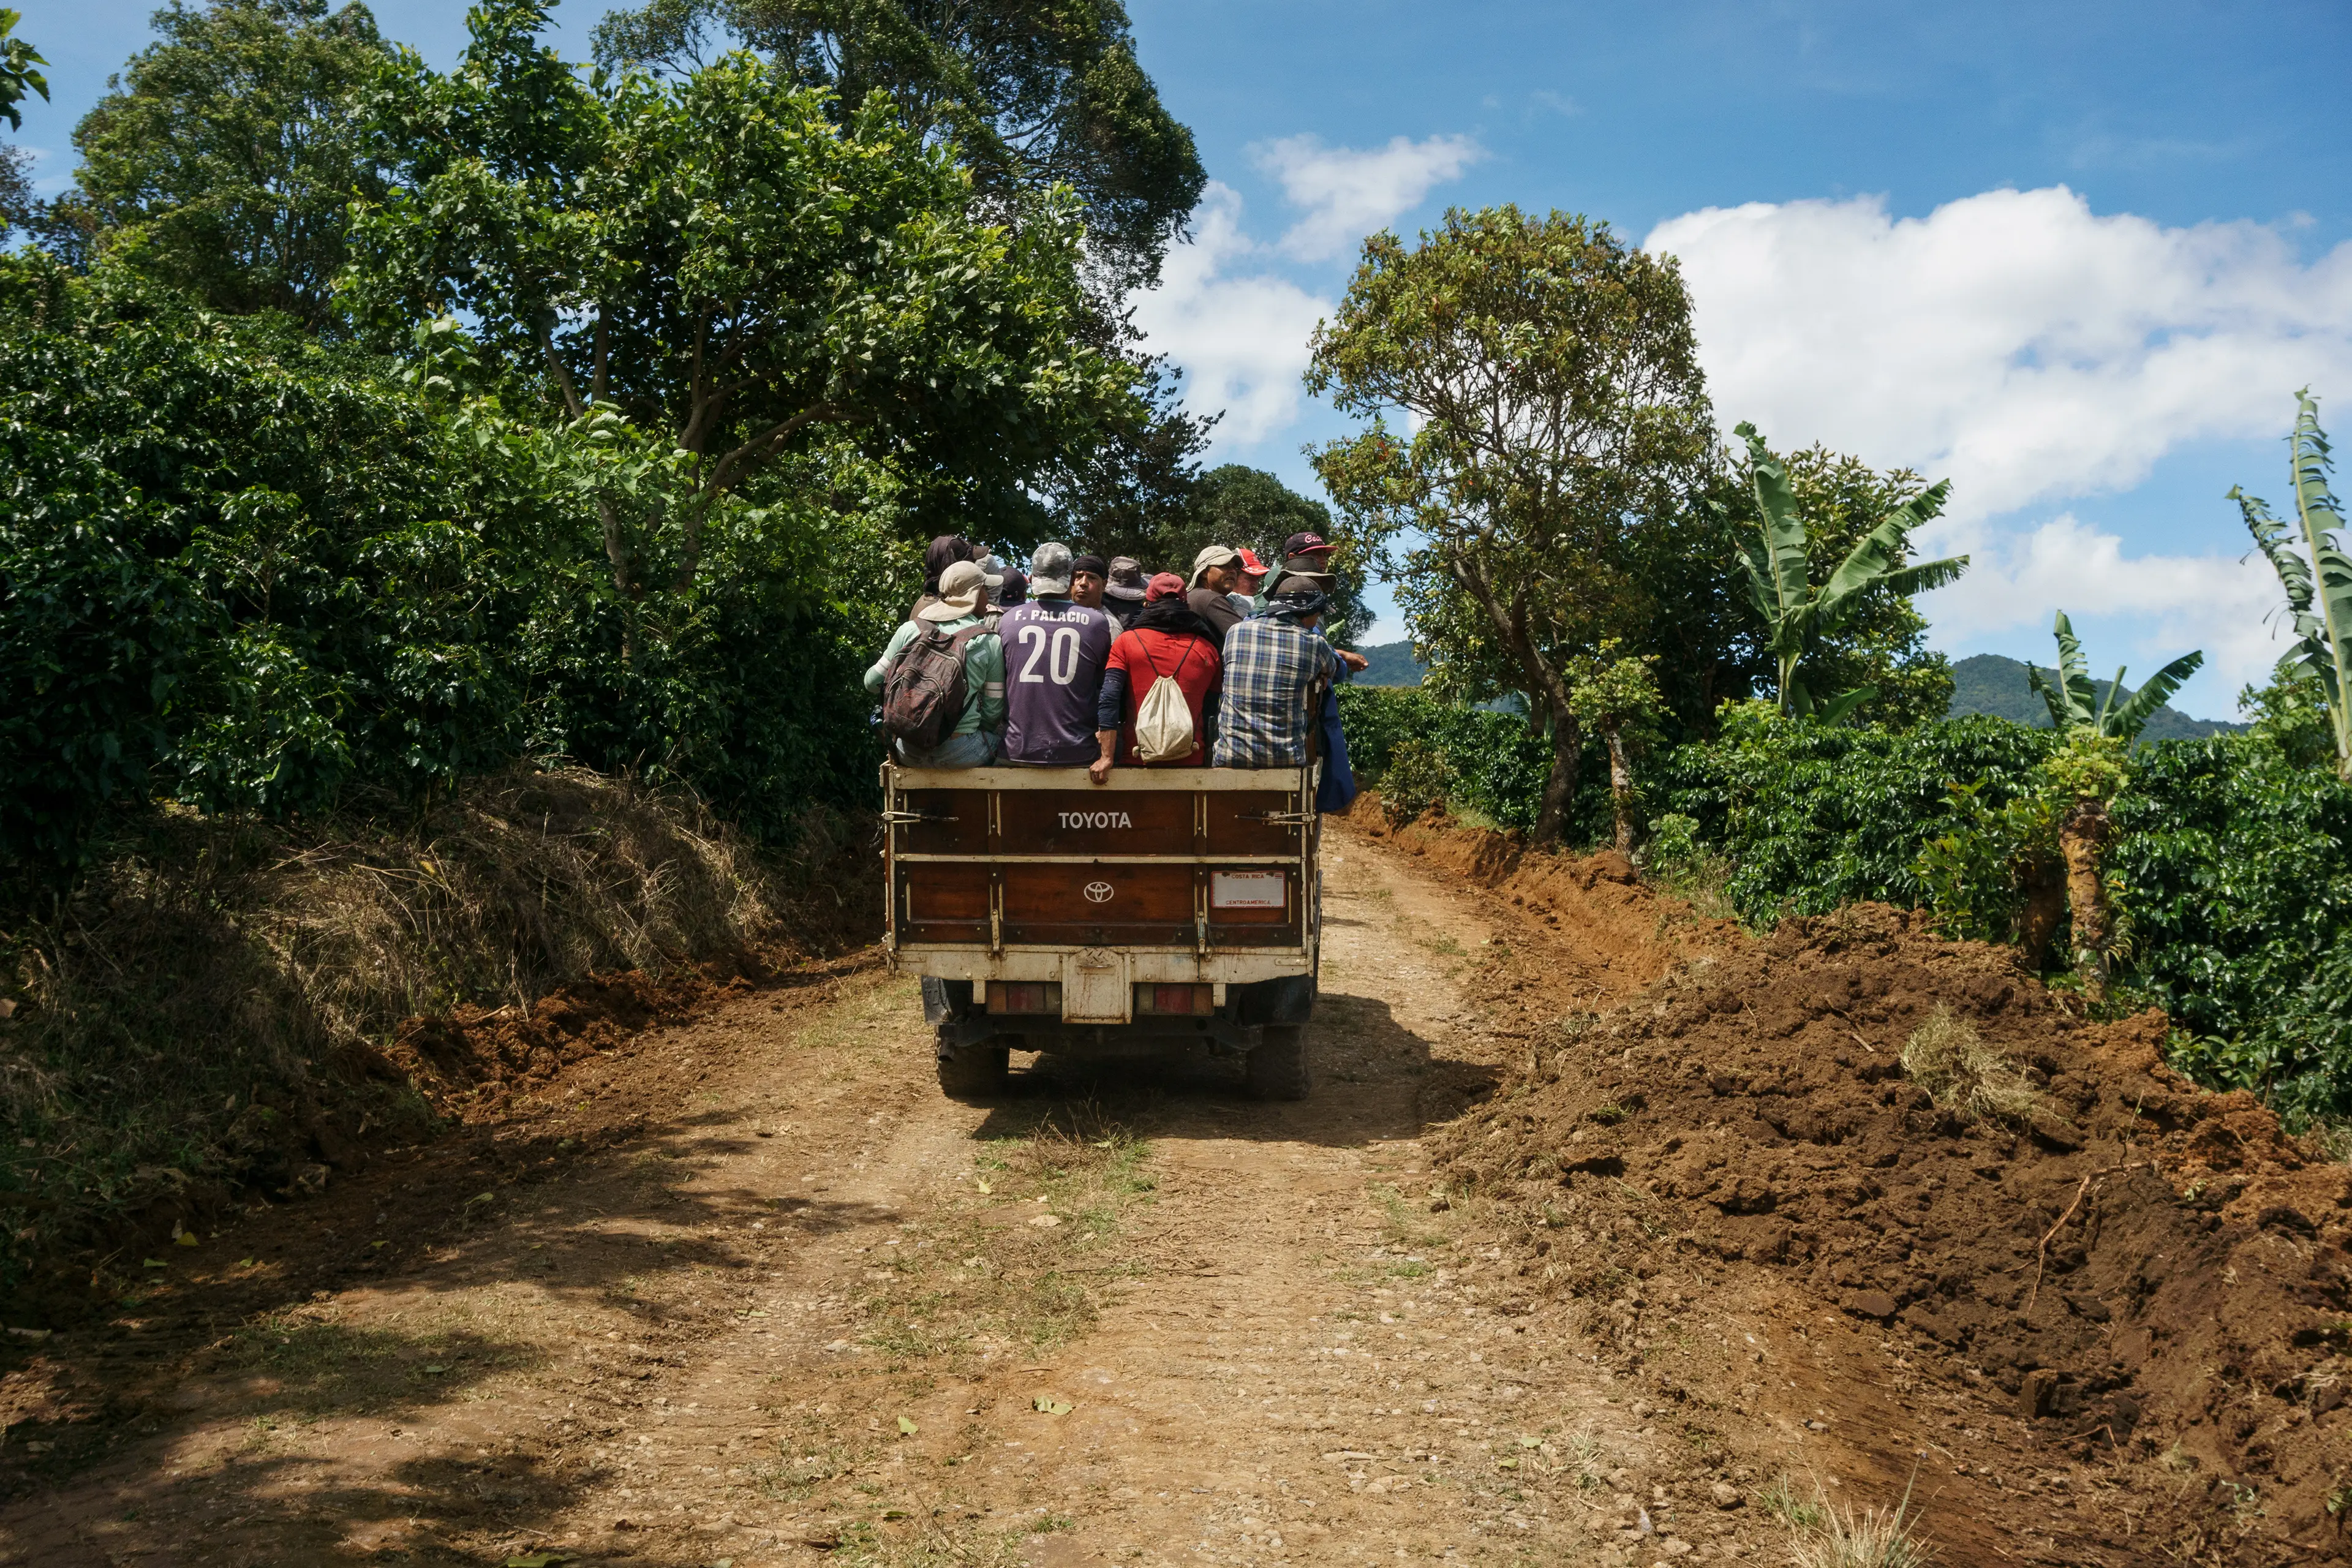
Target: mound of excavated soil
(2129, 1281)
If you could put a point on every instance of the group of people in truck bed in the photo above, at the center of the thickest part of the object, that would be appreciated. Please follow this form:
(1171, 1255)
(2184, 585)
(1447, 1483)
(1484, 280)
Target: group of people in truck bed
(1058, 667)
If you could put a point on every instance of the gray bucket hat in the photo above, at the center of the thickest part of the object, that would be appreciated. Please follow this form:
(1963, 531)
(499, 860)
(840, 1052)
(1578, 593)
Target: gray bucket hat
(1049, 569)
(1126, 579)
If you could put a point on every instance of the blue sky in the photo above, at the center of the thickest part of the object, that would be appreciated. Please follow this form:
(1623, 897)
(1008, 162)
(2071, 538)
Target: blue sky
(2077, 257)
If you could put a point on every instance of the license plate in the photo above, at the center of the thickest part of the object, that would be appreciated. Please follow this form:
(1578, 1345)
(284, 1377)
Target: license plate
(1245, 890)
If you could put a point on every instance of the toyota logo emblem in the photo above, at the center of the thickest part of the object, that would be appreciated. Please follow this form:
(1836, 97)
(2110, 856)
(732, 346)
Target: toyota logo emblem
(1098, 893)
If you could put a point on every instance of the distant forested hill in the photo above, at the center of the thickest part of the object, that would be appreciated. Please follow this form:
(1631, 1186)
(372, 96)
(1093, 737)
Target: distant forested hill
(1391, 664)
(1988, 683)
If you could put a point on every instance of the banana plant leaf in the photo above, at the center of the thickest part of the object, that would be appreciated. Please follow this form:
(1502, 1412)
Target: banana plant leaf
(1777, 572)
(2128, 719)
(2319, 590)
(1777, 564)
(1835, 709)
(2075, 704)
(2071, 700)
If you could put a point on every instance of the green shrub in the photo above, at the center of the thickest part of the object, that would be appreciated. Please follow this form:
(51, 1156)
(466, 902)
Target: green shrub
(1815, 816)
(1674, 842)
(2238, 860)
(1498, 764)
(1418, 778)
(248, 572)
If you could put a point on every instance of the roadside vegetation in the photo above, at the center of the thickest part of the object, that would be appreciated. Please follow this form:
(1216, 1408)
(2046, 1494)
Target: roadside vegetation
(377, 432)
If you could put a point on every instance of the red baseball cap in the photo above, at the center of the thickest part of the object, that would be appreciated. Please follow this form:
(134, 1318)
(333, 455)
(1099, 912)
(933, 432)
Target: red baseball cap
(1251, 565)
(1166, 585)
(1306, 544)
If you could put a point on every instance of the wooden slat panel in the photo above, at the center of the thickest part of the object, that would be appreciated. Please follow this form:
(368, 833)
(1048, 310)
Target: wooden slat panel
(1143, 905)
(1232, 833)
(1058, 894)
(1076, 822)
(960, 825)
(949, 901)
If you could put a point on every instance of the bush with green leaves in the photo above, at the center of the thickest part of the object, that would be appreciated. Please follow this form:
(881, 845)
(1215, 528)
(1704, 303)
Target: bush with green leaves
(1498, 765)
(2238, 865)
(1813, 816)
(245, 570)
(1419, 778)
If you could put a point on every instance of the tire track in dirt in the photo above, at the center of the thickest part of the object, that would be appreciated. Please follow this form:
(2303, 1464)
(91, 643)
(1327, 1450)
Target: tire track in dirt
(677, 1351)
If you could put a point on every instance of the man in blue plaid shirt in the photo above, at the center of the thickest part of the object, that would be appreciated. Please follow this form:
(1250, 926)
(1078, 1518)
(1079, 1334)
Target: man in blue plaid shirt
(1276, 668)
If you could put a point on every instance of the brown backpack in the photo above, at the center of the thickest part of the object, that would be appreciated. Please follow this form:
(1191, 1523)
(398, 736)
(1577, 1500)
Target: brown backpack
(924, 694)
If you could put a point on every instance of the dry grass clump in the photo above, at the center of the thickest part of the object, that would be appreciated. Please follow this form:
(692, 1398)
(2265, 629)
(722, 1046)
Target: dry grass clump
(1827, 1536)
(1948, 1058)
(200, 1008)
(1865, 1540)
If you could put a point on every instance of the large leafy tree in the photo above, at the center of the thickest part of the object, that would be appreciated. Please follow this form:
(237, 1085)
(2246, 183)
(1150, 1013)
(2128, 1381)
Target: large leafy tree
(1826, 567)
(1034, 93)
(223, 157)
(1549, 378)
(708, 275)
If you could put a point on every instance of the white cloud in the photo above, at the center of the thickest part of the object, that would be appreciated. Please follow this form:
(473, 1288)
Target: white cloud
(1241, 340)
(2015, 341)
(1349, 193)
(2172, 603)
(2033, 352)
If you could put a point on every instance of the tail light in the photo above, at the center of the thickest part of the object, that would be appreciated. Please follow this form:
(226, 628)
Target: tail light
(1176, 1001)
(1025, 996)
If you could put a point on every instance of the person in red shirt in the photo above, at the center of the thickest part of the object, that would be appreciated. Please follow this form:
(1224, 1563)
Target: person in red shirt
(1169, 637)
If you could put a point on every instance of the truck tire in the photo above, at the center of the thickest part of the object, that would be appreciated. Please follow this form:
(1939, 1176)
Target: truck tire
(981, 1071)
(1277, 1067)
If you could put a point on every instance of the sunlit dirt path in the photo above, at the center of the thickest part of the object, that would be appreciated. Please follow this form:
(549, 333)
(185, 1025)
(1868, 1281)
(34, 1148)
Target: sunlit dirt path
(813, 1310)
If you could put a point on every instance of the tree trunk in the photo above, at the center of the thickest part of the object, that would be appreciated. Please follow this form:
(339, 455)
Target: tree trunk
(2084, 834)
(1620, 788)
(1560, 788)
(616, 553)
(2046, 900)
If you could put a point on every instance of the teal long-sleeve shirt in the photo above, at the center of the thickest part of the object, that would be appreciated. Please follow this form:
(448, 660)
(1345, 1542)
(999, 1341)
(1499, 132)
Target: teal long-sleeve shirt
(983, 673)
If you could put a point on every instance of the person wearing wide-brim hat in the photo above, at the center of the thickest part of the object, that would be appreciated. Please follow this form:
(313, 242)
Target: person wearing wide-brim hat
(1123, 591)
(1308, 557)
(1216, 573)
(962, 605)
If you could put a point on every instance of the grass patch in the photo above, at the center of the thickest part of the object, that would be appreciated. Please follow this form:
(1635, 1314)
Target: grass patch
(1406, 1226)
(1781, 1500)
(1946, 1057)
(1025, 1265)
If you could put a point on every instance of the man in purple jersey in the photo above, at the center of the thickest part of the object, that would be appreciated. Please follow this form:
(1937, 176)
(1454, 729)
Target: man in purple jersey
(1053, 654)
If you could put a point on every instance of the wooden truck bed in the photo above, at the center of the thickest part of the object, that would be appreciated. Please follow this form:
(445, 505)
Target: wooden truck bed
(1115, 896)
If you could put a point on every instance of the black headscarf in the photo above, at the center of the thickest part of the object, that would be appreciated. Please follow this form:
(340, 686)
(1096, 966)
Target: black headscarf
(943, 553)
(1172, 615)
(1296, 604)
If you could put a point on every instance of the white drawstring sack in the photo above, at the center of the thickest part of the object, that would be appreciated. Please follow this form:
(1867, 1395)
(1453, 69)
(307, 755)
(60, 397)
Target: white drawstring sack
(1164, 722)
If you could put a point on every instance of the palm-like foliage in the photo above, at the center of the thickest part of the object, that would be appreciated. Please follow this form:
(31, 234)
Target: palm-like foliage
(2075, 704)
(2319, 602)
(1779, 576)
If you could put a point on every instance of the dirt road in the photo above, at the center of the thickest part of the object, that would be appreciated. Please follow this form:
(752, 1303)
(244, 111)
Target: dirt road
(751, 1291)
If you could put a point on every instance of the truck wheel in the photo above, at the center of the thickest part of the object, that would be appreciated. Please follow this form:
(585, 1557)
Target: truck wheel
(1278, 1068)
(980, 1071)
